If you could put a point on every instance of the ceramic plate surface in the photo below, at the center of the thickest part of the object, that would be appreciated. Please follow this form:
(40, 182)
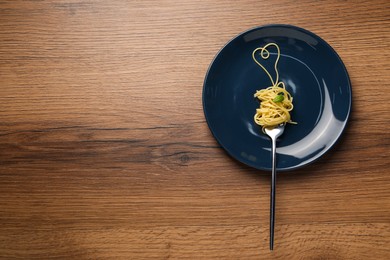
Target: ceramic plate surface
(314, 75)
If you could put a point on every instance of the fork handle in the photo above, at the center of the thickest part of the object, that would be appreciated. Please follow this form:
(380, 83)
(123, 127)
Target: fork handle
(273, 188)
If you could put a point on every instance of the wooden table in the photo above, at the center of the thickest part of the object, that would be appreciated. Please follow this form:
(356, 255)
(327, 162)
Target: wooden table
(105, 152)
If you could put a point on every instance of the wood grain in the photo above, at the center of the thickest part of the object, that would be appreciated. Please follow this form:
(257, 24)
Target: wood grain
(105, 152)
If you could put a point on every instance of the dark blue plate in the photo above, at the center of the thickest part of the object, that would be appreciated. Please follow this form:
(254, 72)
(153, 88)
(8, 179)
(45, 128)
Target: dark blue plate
(313, 73)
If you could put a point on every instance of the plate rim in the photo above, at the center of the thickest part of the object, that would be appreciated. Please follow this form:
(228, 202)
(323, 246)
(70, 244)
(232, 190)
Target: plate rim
(349, 86)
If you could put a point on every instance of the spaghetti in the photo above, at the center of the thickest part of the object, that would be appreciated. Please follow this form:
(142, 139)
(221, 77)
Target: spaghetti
(275, 101)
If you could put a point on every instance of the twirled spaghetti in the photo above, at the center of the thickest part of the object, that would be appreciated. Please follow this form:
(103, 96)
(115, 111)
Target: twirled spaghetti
(275, 101)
